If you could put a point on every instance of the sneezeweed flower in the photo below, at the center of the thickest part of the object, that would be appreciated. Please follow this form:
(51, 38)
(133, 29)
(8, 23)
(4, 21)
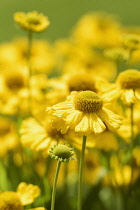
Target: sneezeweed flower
(39, 137)
(127, 87)
(116, 54)
(32, 21)
(8, 136)
(85, 113)
(14, 80)
(60, 87)
(24, 195)
(98, 30)
(131, 41)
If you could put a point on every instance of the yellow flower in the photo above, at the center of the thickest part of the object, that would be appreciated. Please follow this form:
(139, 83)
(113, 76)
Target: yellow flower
(105, 141)
(32, 21)
(127, 87)
(39, 137)
(93, 171)
(85, 113)
(98, 30)
(131, 41)
(8, 136)
(24, 195)
(120, 175)
(116, 54)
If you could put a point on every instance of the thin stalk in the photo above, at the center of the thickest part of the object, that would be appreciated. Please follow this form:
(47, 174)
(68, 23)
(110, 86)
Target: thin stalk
(81, 174)
(133, 142)
(54, 185)
(29, 49)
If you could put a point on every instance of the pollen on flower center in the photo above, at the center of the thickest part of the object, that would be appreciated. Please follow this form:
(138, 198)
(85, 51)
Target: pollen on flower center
(87, 101)
(129, 79)
(10, 201)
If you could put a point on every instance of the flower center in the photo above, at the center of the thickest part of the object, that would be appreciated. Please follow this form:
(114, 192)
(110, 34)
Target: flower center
(129, 79)
(33, 21)
(79, 82)
(5, 127)
(14, 82)
(62, 151)
(87, 101)
(53, 133)
(10, 201)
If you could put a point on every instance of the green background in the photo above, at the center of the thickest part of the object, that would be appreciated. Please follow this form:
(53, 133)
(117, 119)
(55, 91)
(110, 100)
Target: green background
(63, 14)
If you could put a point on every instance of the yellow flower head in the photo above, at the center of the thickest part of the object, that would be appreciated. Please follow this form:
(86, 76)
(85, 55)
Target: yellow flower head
(24, 195)
(8, 136)
(10, 201)
(32, 21)
(116, 54)
(85, 113)
(131, 41)
(129, 79)
(27, 193)
(81, 81)
(99, 30)
(14, 80)
(39, 137)
(127, 87)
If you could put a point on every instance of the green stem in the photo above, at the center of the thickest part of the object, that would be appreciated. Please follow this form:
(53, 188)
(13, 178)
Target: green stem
(29, 49)
(133, 142)
(54, 184)
(81, 174)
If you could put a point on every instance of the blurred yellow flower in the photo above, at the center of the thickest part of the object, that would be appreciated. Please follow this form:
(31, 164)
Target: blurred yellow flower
(98, 30)
(8, 136)
(106, 141)
(85, 113)
(32, 21)
(24, 195)
(39, 137)
(27, 193)
(127, 87)
(131, 41)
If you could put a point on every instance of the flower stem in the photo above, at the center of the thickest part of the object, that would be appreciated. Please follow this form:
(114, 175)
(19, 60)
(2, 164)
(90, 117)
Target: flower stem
(81, 174)
(29, 49)
(133, 142)
(54, 185)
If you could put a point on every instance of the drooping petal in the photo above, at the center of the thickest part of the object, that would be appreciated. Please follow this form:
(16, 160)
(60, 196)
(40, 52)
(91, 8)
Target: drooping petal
(128, 96)
(83, 126)
(96, 124)
(112, 121)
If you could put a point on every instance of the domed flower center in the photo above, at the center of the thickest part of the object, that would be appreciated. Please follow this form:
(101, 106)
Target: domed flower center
(10, 201)
(87, 101)
(33, 20)
(14, 82)
(129, 79)
(79, 82)
(62, 151)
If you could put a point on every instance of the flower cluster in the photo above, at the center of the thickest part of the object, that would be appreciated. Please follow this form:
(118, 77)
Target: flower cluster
(77, 98)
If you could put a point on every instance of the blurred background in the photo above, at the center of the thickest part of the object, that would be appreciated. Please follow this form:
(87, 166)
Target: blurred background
(63, 14)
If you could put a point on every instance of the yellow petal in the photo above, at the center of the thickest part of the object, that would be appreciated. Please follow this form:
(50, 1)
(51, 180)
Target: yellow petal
(27, 193)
